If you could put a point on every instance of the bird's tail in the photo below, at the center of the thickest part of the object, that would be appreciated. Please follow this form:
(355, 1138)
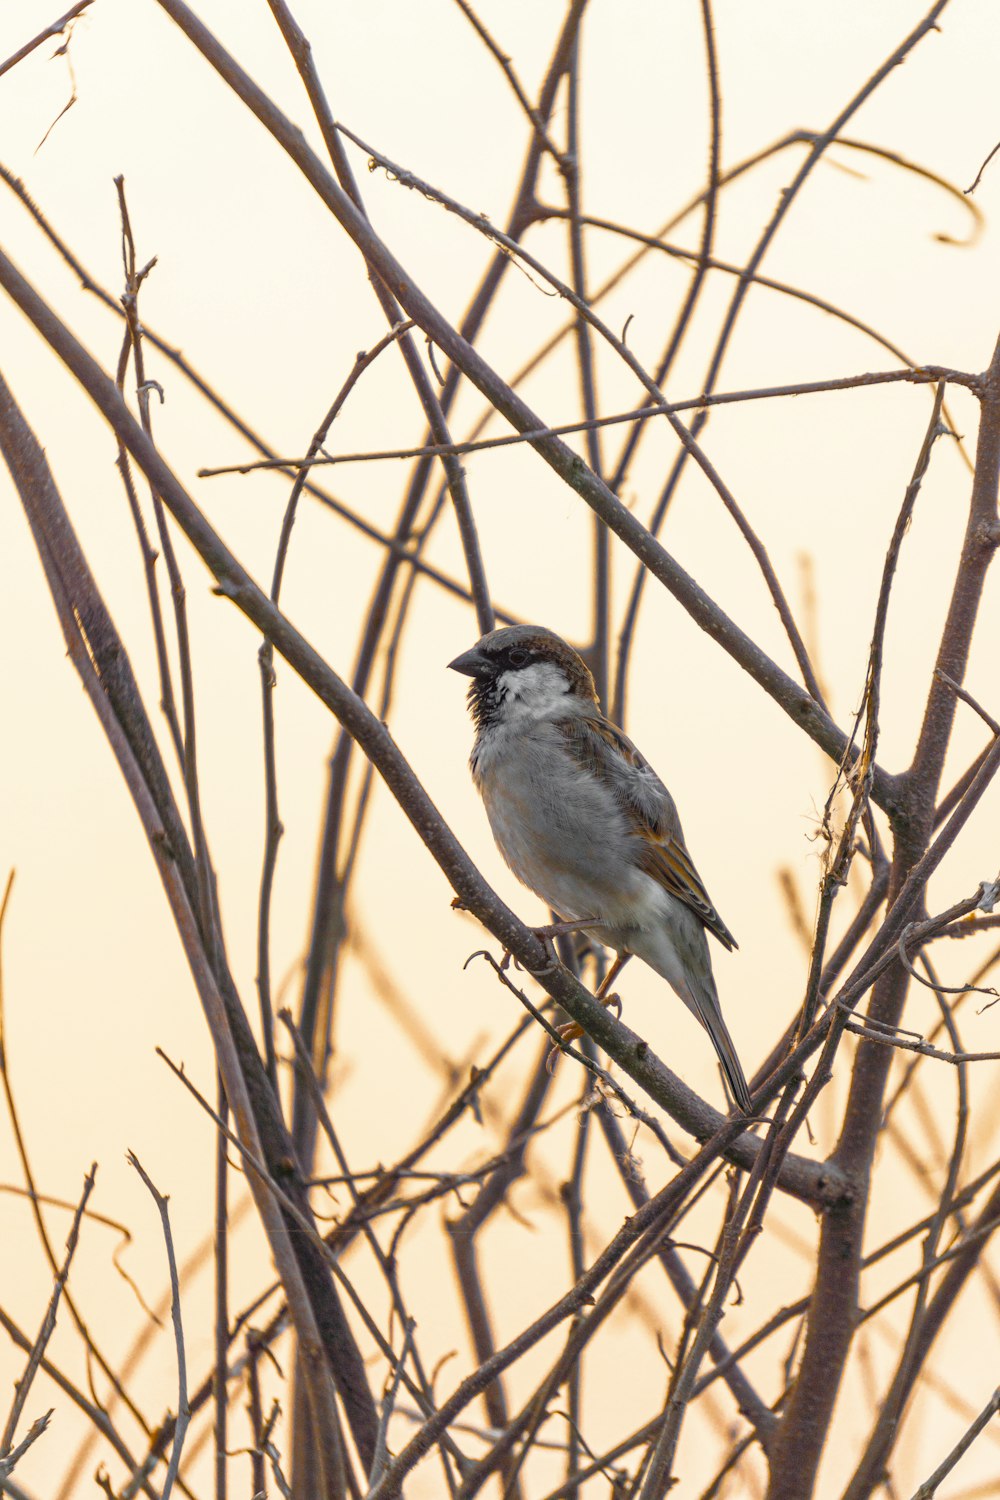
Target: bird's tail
(680, 955)
(703, 1001)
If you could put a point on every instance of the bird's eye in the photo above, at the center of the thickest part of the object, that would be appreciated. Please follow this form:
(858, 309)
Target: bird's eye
(517, 657)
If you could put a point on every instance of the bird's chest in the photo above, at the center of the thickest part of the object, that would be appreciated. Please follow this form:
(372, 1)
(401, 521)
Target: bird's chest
(557, 828)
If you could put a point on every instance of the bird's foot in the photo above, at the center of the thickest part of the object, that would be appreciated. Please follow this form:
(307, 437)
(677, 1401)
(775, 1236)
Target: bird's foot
(571, 1031)
(546, 935)
(552, 957)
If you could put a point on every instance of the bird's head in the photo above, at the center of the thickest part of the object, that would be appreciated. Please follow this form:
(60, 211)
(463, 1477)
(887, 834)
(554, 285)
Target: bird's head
(522, 669)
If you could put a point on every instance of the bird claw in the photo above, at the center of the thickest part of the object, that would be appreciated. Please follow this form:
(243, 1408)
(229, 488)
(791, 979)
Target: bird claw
(552, 963)
(507, 958)
(546, 935)
(551, 953)
(570, 1031)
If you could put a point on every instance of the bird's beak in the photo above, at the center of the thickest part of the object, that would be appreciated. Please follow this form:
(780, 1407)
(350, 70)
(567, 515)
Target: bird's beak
(473, 663)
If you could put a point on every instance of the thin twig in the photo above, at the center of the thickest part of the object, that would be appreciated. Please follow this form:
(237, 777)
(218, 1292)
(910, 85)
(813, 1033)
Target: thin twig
(54, 30)
(183, 1409)
(22, 1387)
(925, 375)
(965, 1442)
(11, 1460)
(966, 697)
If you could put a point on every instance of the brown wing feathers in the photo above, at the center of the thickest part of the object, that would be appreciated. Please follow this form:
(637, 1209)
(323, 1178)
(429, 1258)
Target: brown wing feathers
(662, 852)
(669, 862)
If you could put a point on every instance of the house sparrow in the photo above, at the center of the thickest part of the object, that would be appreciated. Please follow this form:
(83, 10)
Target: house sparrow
(585, 822)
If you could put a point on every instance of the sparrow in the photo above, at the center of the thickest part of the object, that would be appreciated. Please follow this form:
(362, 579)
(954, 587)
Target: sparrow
(584, 821)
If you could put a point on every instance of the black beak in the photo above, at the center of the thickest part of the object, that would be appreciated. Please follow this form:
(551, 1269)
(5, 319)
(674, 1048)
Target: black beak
(473, 663)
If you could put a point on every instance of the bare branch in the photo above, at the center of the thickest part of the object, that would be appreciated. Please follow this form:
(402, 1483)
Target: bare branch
(183, 1409)
(22, 1387)
(56, 28)
(965, 1442)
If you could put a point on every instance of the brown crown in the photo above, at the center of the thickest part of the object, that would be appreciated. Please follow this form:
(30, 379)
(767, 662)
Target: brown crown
(543, 645)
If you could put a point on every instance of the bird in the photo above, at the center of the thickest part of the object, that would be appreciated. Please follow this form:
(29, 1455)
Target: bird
(583, 820)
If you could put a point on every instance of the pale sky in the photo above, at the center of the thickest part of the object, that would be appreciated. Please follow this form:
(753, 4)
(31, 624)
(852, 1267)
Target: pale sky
(265, 295)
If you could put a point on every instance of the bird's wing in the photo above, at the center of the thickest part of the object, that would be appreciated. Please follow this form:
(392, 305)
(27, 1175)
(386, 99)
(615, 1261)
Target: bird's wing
(608, 754)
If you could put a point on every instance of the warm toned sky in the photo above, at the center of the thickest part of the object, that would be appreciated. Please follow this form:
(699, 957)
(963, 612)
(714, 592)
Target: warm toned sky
(266, 296)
